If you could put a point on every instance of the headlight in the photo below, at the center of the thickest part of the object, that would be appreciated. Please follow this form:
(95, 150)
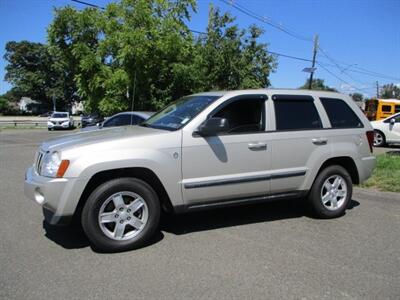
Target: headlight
(53, 166)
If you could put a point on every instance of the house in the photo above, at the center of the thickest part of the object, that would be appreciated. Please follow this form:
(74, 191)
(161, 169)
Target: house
(28, 105)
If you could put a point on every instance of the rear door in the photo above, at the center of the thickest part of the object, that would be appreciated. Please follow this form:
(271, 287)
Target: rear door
(298, 138)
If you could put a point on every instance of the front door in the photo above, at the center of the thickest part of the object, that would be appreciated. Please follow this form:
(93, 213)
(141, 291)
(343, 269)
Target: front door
(232, 165)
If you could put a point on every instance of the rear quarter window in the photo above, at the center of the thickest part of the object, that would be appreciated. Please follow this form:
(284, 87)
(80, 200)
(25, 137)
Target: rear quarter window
(296, 113)
(340, 114)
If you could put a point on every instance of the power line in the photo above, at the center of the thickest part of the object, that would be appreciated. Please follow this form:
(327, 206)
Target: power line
(279, 27)
(266, 21)
(349, 67)
(341, 79)
(89, 4)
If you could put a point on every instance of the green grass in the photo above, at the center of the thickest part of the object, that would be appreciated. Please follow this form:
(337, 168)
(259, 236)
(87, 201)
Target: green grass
(386, 176)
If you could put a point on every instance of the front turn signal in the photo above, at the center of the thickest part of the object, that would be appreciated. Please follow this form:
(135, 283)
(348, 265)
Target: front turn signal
(62, 168)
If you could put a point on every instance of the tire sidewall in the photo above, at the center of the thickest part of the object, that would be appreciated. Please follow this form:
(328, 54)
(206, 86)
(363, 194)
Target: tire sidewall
(93, 204)
(314, 196)
(383, 138)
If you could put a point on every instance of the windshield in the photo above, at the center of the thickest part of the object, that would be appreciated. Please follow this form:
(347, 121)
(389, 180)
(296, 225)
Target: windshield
(59, 115)
(179, 113)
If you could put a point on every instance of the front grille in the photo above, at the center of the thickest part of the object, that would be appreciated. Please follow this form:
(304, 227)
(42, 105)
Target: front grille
(38, 163)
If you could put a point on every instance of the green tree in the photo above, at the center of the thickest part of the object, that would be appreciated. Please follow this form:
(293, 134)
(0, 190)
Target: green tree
(318, 85)
(36, 73)
(357, 97)
(232, 58)
(8, 102)
(134, 51)
(390, 91)
(142, 52)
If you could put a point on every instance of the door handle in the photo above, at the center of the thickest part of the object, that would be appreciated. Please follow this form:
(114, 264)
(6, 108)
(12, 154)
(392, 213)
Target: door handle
(320, 141)
(257, 146)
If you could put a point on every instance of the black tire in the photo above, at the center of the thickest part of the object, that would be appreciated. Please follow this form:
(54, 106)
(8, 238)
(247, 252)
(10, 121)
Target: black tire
(315, 194)
(91, 209)
(382, 141)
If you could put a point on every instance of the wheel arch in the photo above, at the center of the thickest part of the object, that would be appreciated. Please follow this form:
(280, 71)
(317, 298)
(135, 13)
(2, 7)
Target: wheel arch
(347, 163)
(141, 173)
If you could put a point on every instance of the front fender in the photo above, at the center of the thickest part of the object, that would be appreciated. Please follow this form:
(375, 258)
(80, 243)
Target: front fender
(166, 164)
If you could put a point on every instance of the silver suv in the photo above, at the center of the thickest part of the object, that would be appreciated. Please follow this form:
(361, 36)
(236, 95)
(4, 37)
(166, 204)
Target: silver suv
(204, 151)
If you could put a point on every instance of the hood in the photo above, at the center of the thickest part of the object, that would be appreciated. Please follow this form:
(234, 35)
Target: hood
(98, 136)
(58, 119)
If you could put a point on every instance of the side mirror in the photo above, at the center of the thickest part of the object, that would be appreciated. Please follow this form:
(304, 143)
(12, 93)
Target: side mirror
(392, 121)
(213, 126)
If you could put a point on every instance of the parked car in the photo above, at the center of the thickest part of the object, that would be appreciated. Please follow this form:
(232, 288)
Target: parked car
(387, 131)
(91, 119)
(122, 119)
(204, 151)
(60, 120)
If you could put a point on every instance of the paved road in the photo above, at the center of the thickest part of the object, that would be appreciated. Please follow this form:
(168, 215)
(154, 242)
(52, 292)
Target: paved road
(269, 251)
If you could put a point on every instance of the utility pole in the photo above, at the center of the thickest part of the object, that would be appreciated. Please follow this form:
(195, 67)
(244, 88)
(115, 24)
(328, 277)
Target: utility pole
(377, 89)
(54, 103)
(313, 61)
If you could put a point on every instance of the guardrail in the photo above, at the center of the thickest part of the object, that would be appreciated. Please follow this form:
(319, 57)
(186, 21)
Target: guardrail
(15, 123)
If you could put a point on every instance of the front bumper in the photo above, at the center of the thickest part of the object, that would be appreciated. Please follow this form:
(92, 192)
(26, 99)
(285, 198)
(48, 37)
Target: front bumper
(62, 125)
(57, 196)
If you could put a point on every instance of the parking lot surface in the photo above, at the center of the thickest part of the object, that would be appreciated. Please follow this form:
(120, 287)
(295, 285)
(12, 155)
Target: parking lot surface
(268, 251)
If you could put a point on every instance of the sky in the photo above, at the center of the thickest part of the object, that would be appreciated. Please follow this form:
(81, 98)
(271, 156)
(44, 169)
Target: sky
(355, 36)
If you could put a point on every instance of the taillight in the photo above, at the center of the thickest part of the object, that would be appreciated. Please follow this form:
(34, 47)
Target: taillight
(370, 138)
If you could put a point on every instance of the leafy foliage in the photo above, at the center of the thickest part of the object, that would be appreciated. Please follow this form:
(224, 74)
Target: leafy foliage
(357, 97)
(136, 54)
(318, 85)
(390, 91)
(140, 54)
(36, 73)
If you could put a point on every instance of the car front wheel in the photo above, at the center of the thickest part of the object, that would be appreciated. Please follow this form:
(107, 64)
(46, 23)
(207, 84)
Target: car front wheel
(121, 214)
(331, 192)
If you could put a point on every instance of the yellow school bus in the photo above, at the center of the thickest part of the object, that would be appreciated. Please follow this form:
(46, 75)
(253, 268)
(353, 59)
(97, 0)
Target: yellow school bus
(378, 109)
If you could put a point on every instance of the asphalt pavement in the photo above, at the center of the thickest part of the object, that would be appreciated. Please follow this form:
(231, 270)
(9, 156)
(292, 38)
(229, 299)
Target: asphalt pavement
(269, 251)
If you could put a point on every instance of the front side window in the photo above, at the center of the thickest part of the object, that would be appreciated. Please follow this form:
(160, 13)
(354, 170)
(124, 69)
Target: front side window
(179, 113)
(340, 114)
(395, 117)
(296, 113)
(244, 115)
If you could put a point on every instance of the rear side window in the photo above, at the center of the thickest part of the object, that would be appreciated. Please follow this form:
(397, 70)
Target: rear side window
(386, 108)
(340, 114)
(296, 113)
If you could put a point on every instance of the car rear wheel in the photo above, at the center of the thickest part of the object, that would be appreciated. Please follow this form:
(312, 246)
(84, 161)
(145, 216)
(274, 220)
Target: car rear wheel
(121, 214)
(331, 192)
(379, 138)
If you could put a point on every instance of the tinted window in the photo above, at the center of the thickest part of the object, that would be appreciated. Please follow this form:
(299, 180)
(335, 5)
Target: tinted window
(397, 108)
(386, 108)
(396, 117)
(179, 113)
(244, 115)
(296, 113)
(340, 114)
(122, 120)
